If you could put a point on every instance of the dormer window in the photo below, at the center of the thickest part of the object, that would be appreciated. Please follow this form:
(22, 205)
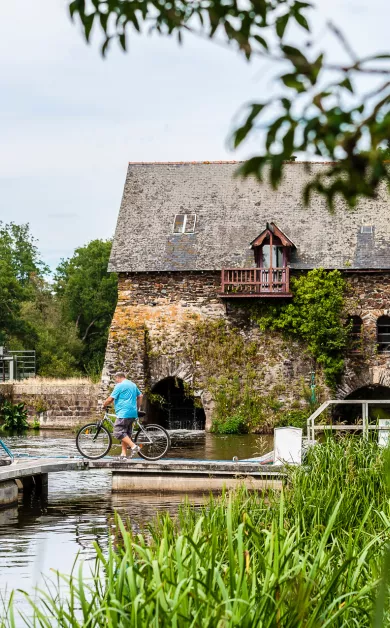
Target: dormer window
(272, 256)
(272, 248)
(271, 276)
(184, 223)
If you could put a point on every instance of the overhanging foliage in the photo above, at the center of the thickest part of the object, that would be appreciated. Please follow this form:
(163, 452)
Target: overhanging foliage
(319, 111)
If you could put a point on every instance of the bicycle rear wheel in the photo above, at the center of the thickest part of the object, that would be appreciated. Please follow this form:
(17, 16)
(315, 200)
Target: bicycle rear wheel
(93, 441)
(153, 441)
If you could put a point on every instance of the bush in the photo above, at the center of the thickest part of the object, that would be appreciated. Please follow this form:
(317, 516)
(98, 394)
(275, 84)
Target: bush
(14, 416)
(235, 424)
(294, 418)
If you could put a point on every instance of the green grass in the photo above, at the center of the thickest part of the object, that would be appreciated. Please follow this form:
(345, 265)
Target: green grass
(311, 556)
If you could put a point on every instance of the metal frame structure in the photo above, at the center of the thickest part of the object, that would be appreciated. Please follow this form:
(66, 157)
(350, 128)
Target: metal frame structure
(364, 426)
(17, 365)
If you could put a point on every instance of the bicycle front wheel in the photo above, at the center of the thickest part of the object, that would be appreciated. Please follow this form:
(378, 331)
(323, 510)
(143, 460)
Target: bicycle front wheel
(93, 441)
(153, 441)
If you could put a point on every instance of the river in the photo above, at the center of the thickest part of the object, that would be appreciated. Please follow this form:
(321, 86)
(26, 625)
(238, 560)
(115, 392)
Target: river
(46, 534)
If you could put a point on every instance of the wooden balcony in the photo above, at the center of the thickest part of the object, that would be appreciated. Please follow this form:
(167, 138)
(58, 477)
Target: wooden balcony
(255, 282)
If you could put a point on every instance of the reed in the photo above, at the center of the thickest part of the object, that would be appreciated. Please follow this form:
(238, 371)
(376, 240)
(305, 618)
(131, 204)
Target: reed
(310, 556)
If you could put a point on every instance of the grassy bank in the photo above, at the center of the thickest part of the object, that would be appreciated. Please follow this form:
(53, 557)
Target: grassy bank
(309, 557)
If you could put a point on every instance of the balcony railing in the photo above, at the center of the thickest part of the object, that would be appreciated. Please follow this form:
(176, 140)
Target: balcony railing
(255, 282)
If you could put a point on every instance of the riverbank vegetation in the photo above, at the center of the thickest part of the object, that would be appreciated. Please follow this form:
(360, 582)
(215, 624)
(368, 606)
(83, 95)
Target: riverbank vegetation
(314, 555)
(64, 316)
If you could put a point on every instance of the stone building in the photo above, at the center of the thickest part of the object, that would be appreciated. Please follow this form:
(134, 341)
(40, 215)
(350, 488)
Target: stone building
(194, 245)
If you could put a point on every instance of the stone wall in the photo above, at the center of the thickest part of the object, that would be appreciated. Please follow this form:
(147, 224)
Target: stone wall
(55, 405)
(369, 298)
(155, 326)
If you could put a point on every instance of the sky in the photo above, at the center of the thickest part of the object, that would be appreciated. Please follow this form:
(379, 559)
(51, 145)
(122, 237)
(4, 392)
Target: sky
(70, 121)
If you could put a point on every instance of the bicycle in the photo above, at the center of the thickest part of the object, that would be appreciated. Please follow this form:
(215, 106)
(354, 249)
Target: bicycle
(7, 451)
(94, 440)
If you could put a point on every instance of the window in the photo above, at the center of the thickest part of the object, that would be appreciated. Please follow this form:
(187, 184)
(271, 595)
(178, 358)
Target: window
(383, 334)
(355, 323)
(366, 229)
(277, 256)
(184, 223)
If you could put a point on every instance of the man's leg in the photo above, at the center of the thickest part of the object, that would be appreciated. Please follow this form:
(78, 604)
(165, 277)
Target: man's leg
(126, 442)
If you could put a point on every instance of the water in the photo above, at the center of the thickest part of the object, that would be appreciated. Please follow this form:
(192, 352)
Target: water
(45, 534)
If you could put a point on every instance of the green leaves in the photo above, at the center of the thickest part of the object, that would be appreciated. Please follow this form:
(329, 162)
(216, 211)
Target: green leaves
(315, 315)
(13, 416)
(307, 556)
(88, 295)
(348, 132)
(241, 133)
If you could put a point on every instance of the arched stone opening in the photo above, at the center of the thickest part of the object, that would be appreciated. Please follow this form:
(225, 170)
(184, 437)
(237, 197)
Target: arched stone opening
(351, 414)
(170, 405)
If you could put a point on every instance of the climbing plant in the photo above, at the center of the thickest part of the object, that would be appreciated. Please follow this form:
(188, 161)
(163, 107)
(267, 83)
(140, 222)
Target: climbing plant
(231, 367)
(315, 315)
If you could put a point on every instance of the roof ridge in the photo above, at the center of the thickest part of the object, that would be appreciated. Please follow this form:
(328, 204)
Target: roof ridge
(199, 163)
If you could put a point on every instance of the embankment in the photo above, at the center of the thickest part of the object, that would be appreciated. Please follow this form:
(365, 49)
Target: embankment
(56, 404)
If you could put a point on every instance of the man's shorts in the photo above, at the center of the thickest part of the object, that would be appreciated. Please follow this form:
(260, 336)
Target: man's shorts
(123, 428)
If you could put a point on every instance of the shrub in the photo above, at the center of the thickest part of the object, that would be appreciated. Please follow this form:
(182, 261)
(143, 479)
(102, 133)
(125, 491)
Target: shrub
(294, 418)
(14, 416)
(235, 424)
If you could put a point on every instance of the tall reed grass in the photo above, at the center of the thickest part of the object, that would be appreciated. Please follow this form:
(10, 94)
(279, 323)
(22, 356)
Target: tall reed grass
(308, 557)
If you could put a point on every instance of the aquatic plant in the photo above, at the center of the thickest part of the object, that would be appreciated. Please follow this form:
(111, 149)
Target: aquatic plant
(14, 416)
(309, 556)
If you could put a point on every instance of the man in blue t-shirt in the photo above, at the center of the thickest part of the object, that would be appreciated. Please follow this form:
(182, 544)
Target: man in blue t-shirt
(128, 399)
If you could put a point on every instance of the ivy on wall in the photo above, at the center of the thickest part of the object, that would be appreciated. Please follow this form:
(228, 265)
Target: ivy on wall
(315, 315)
(232, 369)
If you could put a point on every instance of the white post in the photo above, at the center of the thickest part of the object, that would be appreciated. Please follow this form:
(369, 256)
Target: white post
(365, 420)
(11, 373)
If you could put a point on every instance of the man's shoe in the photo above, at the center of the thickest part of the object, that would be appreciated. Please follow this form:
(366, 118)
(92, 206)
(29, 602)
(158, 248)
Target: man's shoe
(134, 451)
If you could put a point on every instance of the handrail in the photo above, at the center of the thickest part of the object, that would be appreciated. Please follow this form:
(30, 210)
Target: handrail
(255, 280)
(365, 416)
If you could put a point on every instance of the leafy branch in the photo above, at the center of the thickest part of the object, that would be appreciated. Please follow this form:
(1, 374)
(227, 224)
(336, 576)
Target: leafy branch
(319, 112)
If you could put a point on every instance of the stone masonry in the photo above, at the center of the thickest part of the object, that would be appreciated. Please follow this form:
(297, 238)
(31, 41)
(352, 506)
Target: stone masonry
(55, 405)
(157, 313)
(369, 298)
(155, 321)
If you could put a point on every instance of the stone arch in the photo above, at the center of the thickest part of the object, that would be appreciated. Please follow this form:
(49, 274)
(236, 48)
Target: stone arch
(353, 413)
(352, 381)
(169, 404)
(164, 366)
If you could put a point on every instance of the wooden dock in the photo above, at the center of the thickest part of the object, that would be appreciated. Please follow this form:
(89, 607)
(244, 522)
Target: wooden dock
(138, 475)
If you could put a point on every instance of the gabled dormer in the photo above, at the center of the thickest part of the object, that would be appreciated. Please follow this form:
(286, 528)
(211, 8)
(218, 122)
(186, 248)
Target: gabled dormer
(270, 277)
(272, 248)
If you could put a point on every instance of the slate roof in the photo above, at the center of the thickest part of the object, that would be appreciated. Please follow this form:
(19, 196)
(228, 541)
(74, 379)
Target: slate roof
(231, 213)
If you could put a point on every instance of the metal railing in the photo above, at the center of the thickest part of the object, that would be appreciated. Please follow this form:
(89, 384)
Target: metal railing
(17, 365)
(255, 281)
(365, 426)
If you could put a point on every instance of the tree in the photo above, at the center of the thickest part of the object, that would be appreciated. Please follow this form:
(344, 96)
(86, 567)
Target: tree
(55, 340)
(88, 294)
(19, 264)
(319, 112)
